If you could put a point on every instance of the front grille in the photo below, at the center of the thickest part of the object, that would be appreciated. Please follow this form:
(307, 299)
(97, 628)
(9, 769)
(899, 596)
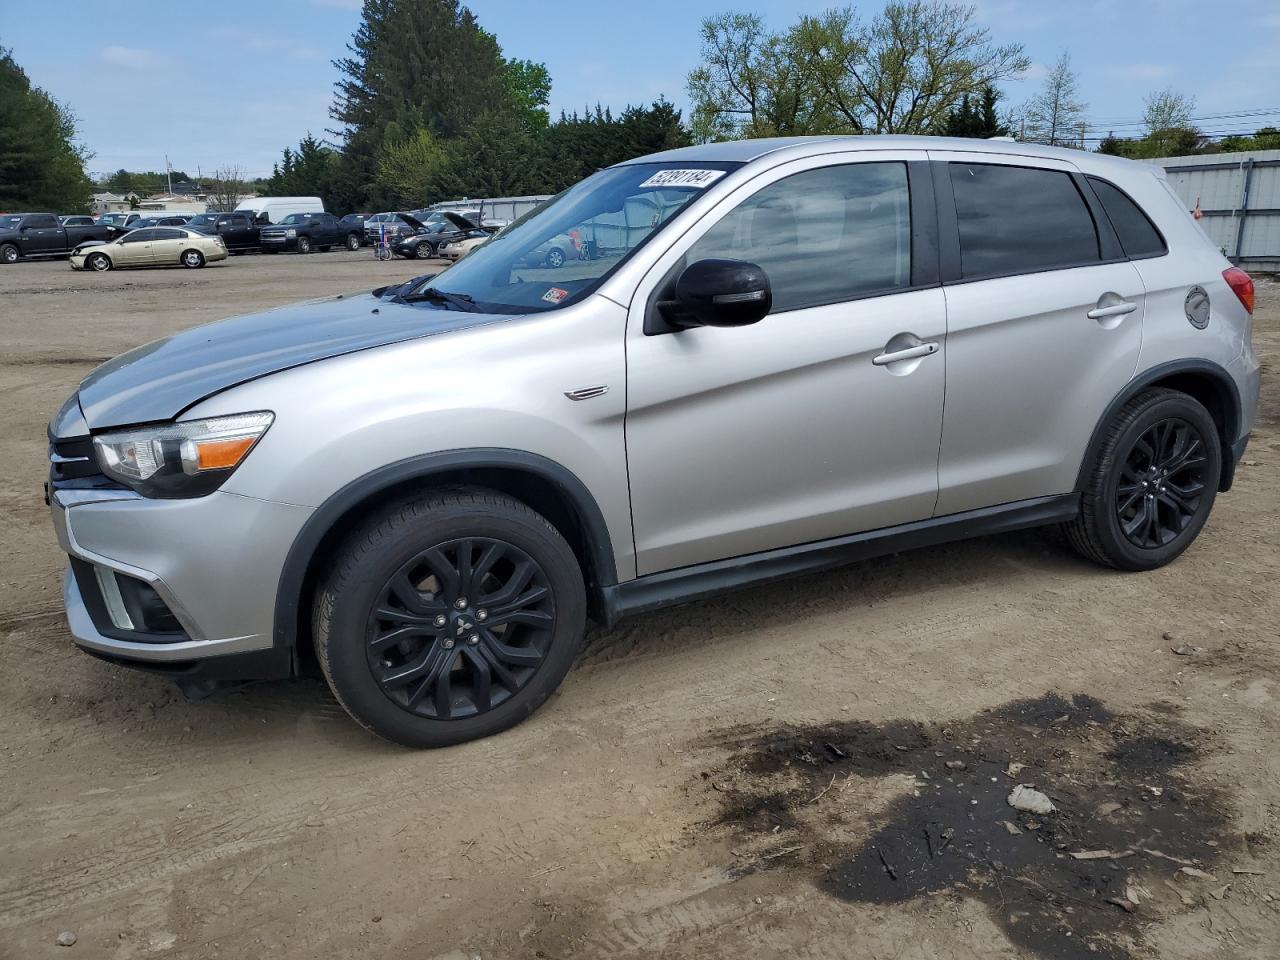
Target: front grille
(72, 459)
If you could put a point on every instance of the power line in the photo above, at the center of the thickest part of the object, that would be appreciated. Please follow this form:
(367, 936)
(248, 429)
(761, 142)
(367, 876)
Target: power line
(1239, 115)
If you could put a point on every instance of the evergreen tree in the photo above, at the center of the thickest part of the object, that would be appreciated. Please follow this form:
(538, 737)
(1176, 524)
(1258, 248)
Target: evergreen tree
(41, 165)
(973, 119)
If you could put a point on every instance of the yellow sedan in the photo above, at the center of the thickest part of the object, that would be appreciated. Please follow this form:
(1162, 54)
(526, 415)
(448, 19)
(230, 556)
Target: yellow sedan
(150, 247)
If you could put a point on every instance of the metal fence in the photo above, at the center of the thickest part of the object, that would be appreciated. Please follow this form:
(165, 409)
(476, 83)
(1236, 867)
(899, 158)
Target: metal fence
(1239, 199)
(494, 208)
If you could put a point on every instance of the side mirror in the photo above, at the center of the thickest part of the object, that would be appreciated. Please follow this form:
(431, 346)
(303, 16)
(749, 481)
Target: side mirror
(719, 293)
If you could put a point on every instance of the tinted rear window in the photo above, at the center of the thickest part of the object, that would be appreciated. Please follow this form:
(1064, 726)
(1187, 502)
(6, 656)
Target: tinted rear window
(1020, 220)
(1137, 233)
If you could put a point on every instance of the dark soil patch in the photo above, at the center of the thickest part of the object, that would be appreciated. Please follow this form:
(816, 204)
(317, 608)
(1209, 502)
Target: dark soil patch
(1120, 785)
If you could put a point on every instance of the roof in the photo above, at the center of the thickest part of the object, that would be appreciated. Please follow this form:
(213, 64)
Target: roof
(744, 151)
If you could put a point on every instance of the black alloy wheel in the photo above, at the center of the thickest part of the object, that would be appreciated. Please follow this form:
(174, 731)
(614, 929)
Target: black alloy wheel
(424, 250)
(1161, 483)
(460, 628)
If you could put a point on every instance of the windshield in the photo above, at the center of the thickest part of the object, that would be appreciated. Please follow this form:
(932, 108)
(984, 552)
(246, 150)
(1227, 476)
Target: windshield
(204, 219)
(297, 218)
(563, 250)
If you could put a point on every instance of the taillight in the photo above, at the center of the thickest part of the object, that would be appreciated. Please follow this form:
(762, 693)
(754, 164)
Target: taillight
(1241, 285)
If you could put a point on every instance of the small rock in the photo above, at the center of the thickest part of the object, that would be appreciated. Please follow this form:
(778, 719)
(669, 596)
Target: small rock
(955, 764)
(1013, 769)
(66, 939)
(1187, 649)
(377, 919)
(1030, 800)
(1012, 828)
(1106, 809)
(759, 900)
(1198, 874)
(1250, 463)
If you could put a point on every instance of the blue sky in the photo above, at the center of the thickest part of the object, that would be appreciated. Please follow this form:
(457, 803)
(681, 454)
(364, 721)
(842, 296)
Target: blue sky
(238, 81)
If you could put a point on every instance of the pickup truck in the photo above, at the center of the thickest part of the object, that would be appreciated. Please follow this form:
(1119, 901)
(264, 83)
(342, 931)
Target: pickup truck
(238, 231)
(40, 235)
(305, 232)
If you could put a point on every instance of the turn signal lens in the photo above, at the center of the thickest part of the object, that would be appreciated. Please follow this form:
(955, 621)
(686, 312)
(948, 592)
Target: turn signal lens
(1241, 285)
(216, 454)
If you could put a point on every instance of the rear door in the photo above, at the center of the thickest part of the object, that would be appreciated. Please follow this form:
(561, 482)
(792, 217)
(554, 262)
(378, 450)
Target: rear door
(1044, 326)
(167, 245)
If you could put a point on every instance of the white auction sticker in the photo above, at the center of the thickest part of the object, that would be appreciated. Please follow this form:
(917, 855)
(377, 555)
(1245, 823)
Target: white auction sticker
(684, 178)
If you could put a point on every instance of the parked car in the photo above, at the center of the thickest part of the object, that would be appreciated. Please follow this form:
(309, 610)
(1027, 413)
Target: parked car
(354, 223)
(391, 225)
(275, 209)
(305, 232)
(427, 241)
(161, 220)
(238, 231)
(440, 479)
(150, 247)
(460, 246)
(76, 220)
(553, 253)
(119, 220)
(40, 235)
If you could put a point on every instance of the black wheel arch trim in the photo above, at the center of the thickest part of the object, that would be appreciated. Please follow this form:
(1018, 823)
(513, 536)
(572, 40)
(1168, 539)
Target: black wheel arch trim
(1155, 374)
(293, 576)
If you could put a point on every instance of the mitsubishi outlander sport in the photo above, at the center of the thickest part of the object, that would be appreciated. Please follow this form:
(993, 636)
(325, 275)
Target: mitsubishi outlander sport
(780, 355)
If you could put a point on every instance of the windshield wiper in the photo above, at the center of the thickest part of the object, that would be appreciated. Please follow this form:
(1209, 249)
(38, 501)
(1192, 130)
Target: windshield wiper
(460, 301)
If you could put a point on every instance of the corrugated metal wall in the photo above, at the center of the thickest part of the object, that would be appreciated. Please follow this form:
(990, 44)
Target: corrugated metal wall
(1239, 197)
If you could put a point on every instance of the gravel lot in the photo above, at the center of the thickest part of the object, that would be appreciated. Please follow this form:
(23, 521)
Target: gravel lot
(815, 769)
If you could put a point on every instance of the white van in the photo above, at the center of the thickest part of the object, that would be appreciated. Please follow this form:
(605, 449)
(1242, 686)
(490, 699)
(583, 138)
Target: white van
(275, 209)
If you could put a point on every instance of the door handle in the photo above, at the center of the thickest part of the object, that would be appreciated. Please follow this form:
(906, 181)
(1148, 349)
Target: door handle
(1113, 310)
(910, 353)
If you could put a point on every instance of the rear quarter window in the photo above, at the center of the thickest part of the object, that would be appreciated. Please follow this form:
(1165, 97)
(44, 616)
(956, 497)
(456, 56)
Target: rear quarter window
(1016, 220)
(1138, 235)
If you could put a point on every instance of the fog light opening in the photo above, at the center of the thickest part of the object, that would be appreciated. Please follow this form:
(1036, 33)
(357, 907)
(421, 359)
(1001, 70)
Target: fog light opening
(111, 596)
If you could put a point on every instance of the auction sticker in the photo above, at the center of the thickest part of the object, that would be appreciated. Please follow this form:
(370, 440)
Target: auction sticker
(698, 179)
(555, 294)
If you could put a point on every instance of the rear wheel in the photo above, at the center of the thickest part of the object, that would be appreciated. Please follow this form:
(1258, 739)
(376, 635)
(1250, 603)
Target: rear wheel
(192, 259)
(304, 244)
(9, 253)
(449, 617)
(1152, 484)
(98, 261)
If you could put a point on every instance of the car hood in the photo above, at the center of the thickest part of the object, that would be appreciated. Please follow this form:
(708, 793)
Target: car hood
(159, 380)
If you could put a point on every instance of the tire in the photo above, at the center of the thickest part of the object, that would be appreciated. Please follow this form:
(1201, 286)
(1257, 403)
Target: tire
(192, 259)
(353, 242)
(555, 257)
(1164, 442)
(99, 262)
(304, 244)
(424, 251)
(524, 659)
(10, 254)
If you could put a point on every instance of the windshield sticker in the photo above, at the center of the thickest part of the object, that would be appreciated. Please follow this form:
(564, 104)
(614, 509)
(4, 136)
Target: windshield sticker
(698, 179)
(555, 294)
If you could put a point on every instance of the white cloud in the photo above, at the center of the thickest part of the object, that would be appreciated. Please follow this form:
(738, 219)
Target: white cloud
(133, 57)
(339, 4)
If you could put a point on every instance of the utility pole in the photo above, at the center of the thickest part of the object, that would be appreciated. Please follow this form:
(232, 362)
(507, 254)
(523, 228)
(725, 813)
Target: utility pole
(168, 174)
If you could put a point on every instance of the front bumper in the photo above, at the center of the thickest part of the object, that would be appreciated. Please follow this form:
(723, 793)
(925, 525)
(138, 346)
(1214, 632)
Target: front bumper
(214, 561)
(278, 243)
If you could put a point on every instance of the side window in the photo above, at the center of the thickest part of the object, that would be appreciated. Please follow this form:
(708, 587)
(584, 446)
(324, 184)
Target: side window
(41, 222)
(1020, 220)
(1138, 235)
(822, 236)
(167, 234)
(139, 236)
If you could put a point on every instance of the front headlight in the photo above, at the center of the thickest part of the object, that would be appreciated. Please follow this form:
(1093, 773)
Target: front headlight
(187, 459)
(291, 232)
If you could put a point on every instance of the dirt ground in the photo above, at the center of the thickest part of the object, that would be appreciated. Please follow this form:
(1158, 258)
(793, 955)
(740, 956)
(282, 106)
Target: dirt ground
(815, 769)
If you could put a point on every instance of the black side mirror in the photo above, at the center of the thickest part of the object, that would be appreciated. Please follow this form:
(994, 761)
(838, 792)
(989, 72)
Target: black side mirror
(719, 293)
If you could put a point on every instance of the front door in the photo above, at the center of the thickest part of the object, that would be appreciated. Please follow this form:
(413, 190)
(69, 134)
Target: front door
(812, 423)
(1044, 327)
(135, 248)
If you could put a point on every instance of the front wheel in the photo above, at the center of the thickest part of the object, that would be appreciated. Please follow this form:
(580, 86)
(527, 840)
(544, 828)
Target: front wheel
(304, 244)
(353, 242)
(1152, 484)
(555, 258)
(9, 253)
(449, 617)
(98, 262)
(424, 251)
(192, 259)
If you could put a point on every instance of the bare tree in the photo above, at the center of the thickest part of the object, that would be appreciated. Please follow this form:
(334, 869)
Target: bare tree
(900, 73)
(906, 69)
(1056, 114)
(1167, 110)
(225, 188)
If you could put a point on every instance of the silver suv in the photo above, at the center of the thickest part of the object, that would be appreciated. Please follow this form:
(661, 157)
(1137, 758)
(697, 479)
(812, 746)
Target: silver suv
(764, 358)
